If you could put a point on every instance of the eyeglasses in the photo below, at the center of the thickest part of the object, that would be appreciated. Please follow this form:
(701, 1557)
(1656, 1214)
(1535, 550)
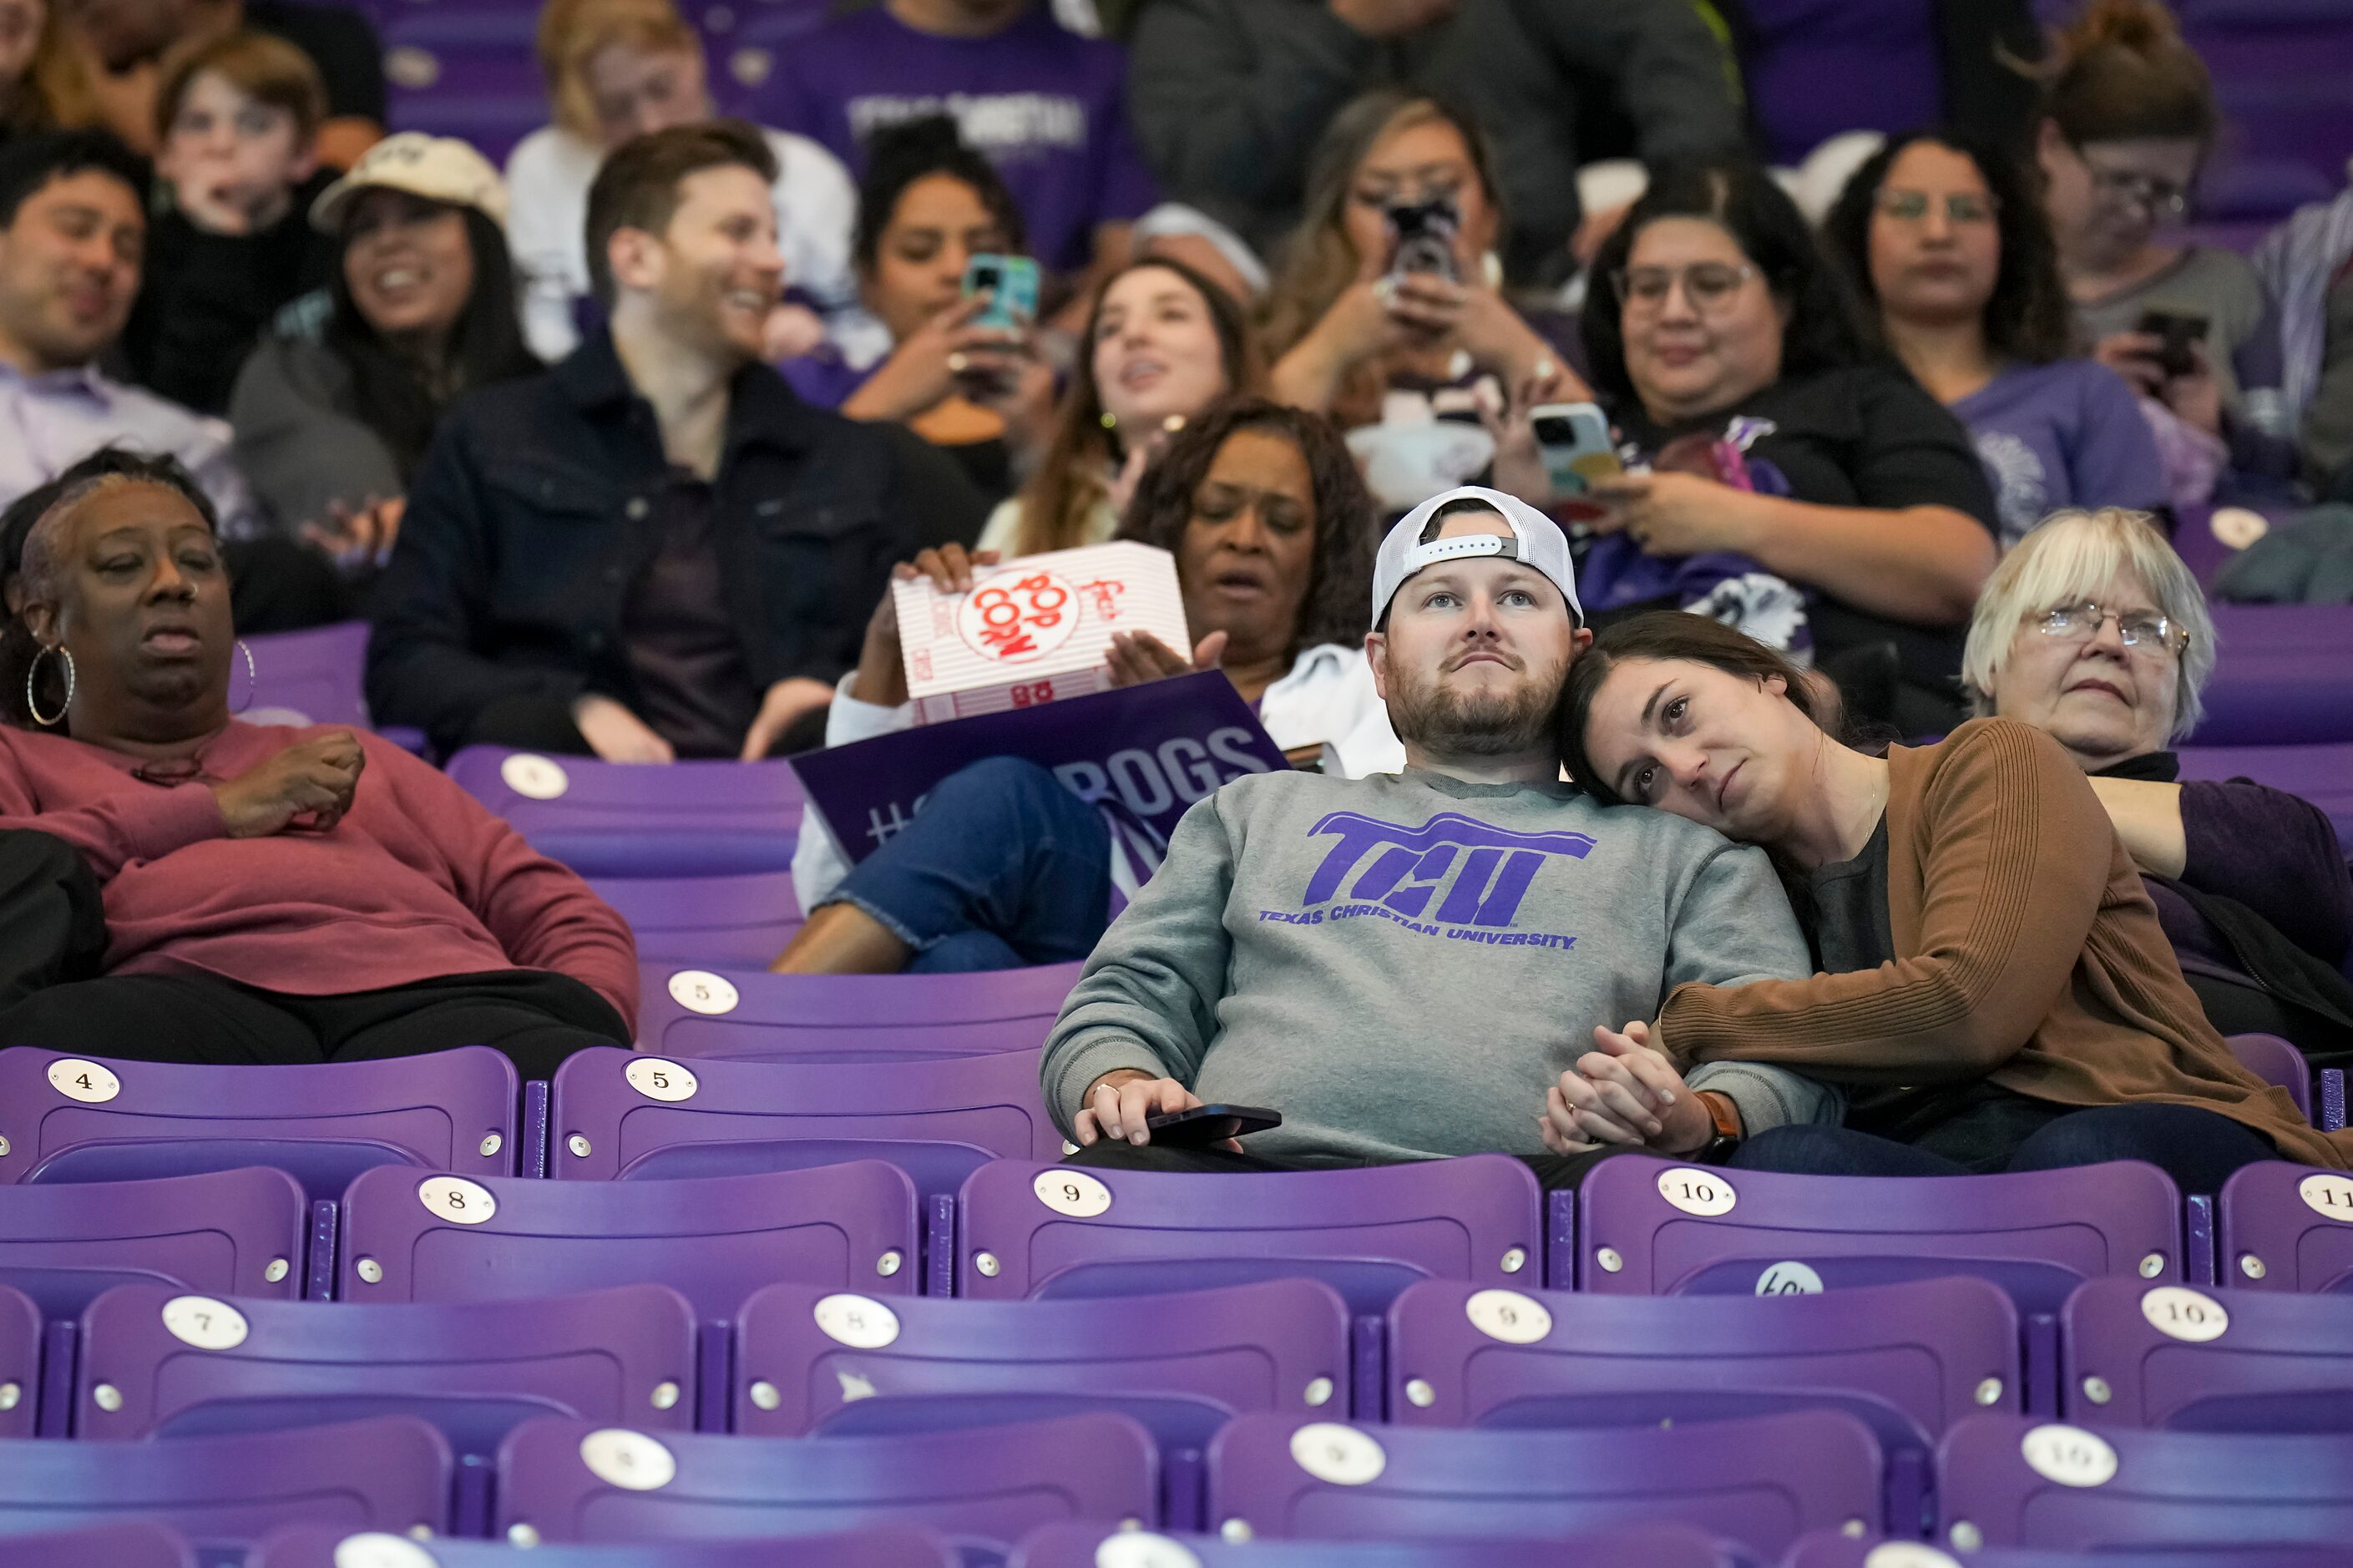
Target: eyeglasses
(1708, 285)
(2149, 633)
(2161, 196)
(1960, 207)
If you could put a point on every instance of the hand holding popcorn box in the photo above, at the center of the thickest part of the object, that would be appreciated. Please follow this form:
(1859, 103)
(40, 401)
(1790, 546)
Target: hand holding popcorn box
(1033, 630)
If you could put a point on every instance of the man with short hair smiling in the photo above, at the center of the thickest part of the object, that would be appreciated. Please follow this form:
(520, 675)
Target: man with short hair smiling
(654, 549)
(1410, 966)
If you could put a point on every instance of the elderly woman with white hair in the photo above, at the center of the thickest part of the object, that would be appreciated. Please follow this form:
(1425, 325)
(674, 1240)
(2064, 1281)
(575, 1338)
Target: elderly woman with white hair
(2094, 631)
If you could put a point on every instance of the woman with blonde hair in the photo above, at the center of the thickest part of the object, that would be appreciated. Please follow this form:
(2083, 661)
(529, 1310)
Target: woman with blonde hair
(41, 79)
(619, 68)
(2093, 631)
(1390, 284)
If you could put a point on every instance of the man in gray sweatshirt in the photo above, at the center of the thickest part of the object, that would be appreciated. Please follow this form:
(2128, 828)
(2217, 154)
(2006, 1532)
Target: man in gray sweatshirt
(1405, 966)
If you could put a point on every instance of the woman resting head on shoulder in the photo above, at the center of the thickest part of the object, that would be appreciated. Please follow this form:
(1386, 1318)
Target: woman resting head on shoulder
(1273, 537)
(1982, 936)
(1945, 240)
(2094, 632)
(1163, 342)
(1726, 348)
(250, 873)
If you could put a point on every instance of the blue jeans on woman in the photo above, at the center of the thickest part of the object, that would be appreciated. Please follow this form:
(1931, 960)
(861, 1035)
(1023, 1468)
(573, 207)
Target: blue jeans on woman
(1002, 868)
(2199, 1149)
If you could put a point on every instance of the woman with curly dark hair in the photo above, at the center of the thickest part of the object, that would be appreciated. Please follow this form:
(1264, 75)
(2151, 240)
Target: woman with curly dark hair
(1273, 535)
(1945, 238)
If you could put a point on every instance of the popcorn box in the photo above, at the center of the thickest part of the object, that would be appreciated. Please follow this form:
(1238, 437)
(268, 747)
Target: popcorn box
(1033, 630)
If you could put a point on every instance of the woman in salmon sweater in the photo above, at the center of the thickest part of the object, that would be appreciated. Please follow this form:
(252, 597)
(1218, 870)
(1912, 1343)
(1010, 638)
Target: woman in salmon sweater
(1996, 993)
(270, 894)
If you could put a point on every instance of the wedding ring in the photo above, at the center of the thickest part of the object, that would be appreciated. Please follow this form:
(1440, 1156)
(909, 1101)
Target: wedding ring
(958, 362)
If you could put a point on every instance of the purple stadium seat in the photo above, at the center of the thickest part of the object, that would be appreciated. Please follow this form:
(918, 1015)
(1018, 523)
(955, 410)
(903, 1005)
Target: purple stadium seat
(132, 1544)
(1761, 1483)
(224, 1232)
(724, 922)
(20, 1362)
(628, 1114)
(1908, 1359)
(2279, 1226)
(619, 819)
(1651, 1227)
(465, 70)
(75, 1119)
(1029, 1229)
(158, 1364)
(848, 1017)
(2283, 676)
(2274, 1061)
(809, 1361)
(223, 1493)
(713, 1240)
(2235, 1361)
(877, 1546)
(1635, 1546)
(2007, 1481)
(1828, 1550)
(566, 1480)
(2322, 774)
(310, 677)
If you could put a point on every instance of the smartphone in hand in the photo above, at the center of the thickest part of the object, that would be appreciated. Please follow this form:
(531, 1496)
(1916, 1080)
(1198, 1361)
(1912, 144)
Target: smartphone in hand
(1011, 284)
(2176, 330)
(1205, 1125)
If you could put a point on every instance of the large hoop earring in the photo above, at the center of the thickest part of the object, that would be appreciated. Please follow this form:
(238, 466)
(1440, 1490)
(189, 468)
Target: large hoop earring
(32, 673)
(252, 677)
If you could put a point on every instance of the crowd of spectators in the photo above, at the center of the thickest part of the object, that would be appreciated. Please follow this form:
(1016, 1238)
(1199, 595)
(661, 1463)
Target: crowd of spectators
(1905, 372)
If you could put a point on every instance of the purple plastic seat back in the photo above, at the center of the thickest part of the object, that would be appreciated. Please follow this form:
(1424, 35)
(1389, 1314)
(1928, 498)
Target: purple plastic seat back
(464, 70)
(132, 1544)
(1761, 1483)
(391, 1474)
(636, 1116)
(20, 1362)
(721, 921)
(849, 1018)
(1030, 1230)
(312, 677)
(2234, 1361)
(617, 819)
(713, 1240)
(566, 1480)
(223, 1232)
(2279, 1226)
(475, 1370)
(1830, 1550)
(2274, 1061)
(1635, 1546)
(808, 1361)
(76, 1119)
(2322, 774)
(876, 1546)
(1908, 1359)
(2283, 676)
(1649, 1226)
(2017, 1482)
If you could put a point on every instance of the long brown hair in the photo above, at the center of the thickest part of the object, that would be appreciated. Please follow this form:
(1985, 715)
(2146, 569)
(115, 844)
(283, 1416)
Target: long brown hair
(1318, 261)
(2122, 72)
(1069, 483)
(1662, 635)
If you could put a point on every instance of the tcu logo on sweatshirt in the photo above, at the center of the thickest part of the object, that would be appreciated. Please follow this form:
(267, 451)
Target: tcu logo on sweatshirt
(1453, 871)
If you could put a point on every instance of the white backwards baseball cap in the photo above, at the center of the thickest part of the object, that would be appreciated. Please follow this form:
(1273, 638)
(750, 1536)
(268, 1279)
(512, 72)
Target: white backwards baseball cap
(1536, 539)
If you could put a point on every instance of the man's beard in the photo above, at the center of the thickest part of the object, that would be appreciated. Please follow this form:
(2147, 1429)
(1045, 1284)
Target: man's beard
(1479, 725)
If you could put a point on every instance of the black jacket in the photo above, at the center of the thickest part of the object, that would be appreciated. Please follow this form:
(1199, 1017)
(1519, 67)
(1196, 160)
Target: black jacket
(531, 516)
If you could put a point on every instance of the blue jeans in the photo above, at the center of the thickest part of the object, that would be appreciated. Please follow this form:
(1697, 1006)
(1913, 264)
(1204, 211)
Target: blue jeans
(2199, 1149)
(1002, 868)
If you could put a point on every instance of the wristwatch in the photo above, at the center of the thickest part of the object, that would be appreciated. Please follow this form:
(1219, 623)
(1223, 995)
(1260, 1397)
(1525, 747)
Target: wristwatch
(1729, 1129)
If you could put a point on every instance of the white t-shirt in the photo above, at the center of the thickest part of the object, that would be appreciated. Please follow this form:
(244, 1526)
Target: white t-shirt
(547, 213)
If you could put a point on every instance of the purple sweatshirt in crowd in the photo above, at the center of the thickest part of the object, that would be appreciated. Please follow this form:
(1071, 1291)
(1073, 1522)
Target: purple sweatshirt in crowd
(2061, 434)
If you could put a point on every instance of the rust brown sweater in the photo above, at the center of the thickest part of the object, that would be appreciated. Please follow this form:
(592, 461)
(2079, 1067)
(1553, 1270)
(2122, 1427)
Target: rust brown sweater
(2031, 955)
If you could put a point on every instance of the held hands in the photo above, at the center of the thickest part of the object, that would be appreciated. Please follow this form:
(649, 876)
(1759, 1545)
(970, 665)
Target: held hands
(1625, 1093)
(1120, 1103)
(1676, 514)
(617, 735)
(313, 779)
(881, 677)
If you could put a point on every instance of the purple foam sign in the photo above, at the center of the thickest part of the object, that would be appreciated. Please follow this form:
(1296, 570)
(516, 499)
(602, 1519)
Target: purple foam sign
(1151, 750)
